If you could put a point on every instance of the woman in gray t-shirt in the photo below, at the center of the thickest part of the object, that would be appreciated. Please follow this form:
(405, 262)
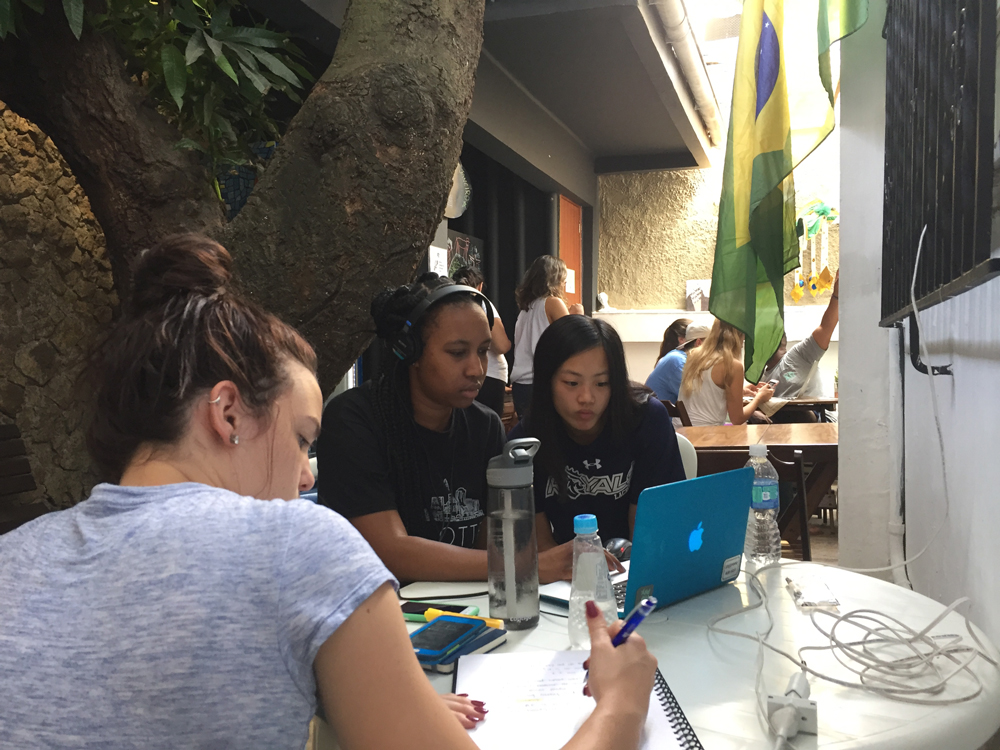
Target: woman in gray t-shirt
(173, 608)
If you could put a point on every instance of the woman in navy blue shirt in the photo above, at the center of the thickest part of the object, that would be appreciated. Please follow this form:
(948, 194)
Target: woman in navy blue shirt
(604, 439)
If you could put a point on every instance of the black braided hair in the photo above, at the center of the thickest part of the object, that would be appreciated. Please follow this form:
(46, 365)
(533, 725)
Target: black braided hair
(407, 461)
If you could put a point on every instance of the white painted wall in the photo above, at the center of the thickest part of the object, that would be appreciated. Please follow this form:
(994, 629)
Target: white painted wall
(642, 331)
(874, 443)
(868, 356)
(962, 561)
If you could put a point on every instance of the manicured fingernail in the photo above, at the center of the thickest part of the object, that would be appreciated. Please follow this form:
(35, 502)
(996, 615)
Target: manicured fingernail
(586, 664)
(592, 610)
(478, 704)
(463, 695)
(471, 717)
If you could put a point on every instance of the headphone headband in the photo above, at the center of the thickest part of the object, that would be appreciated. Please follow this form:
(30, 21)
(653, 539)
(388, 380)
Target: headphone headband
(406, 346)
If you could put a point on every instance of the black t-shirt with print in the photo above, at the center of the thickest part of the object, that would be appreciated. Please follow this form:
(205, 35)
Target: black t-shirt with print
(606, 477)
(354, 475)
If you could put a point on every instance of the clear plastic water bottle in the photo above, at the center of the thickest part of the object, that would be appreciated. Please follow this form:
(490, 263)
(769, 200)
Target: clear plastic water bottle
(763, 542)
(511, 544)
(591, 581)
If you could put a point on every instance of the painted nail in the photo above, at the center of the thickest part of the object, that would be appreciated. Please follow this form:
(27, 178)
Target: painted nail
(463, 695)
(478, 704)
(586, 664)
(470, 717)
(592, 610)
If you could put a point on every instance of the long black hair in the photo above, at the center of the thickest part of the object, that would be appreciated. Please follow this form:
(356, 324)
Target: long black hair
(391, 309)
(566, 337)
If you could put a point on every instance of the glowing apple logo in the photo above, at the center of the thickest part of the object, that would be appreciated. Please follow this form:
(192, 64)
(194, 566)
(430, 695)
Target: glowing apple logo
(694, 540)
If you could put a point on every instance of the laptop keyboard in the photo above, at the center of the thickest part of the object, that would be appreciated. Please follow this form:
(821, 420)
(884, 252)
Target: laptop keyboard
(620, 588)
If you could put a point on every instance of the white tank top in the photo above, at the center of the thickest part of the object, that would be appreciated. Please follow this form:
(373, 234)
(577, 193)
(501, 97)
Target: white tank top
(707, 405)
(496, 364)
(529, 326)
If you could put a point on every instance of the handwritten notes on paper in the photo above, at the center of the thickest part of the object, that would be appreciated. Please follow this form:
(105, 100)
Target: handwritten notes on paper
(536, 697)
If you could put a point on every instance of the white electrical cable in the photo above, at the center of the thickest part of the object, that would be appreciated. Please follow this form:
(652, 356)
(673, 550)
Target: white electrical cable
(890, 655)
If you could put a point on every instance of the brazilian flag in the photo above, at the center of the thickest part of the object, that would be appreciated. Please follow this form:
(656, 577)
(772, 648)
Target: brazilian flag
(757, 243)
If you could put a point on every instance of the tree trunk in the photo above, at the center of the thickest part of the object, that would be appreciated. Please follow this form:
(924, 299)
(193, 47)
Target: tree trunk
(119, 147)
(350, 201)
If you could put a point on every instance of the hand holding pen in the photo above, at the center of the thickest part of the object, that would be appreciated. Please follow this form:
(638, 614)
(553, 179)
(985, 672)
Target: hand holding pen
(634, 664)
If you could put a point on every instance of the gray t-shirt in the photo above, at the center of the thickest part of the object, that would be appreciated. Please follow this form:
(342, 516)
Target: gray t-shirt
(796, 371)
(181, 616)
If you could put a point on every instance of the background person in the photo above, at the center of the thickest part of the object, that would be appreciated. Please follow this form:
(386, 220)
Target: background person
(673, 336)
(604, 440)
(404, 456)
(541, 302)
(665, 379)
(795, 368)
(712, 384)
(494, 389)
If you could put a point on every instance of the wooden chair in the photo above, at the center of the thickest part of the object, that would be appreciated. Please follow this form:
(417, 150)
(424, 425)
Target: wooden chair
(678, 411)
(15, 478)
(793, 472)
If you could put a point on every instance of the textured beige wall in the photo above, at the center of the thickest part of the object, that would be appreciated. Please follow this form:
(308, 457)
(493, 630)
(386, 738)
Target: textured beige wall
(658, 228)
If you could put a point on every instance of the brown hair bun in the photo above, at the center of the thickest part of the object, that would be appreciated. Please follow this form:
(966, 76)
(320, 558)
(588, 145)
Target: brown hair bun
(180, 265)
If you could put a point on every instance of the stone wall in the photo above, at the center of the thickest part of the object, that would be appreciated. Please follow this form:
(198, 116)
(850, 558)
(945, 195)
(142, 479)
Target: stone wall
(56, 297)
(658, 229)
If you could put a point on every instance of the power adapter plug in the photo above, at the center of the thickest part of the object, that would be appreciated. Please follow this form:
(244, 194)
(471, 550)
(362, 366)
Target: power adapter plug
(793, 712)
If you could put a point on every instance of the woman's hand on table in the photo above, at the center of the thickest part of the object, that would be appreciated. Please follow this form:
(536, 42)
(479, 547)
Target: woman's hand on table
(764, 394)
(467, 711)
(556, 564)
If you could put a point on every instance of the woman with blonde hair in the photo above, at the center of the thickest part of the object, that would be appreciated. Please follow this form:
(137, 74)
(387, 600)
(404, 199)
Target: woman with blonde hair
(712, 383)
(540, 299)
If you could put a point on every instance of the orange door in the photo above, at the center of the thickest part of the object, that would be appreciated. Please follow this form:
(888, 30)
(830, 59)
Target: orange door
(571, 247)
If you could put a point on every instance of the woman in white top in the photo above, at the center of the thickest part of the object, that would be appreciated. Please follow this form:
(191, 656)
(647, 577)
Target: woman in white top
(494, 386)
(712, 383)
(540, 299)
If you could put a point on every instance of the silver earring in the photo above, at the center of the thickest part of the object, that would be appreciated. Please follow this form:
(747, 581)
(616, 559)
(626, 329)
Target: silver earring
(217, 400)
(234, 439)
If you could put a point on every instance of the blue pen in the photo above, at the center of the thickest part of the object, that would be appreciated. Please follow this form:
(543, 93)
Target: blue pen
(634, 619)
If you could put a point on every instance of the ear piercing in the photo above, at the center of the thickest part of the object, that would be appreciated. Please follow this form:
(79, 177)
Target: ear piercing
(217, 400)
(234, 439)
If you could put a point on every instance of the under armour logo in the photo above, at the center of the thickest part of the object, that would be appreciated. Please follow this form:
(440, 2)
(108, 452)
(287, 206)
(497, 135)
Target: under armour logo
(595, 464)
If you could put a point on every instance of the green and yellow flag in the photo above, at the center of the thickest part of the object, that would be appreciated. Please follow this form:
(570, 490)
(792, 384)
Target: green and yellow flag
(783, 99)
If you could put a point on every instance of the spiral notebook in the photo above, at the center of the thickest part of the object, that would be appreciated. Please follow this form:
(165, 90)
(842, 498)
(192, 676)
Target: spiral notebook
(539, 695)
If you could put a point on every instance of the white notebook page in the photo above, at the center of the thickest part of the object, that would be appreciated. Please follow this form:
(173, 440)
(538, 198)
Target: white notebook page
(535, 699)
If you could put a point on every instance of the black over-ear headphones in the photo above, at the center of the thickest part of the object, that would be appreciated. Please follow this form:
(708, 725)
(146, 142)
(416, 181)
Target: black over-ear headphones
(408, 346)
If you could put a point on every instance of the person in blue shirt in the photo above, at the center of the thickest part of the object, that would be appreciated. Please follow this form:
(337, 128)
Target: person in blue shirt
(604, 439)
(665, 379)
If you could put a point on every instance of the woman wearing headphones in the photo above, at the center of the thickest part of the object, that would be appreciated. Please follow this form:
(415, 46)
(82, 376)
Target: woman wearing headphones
(404, 456)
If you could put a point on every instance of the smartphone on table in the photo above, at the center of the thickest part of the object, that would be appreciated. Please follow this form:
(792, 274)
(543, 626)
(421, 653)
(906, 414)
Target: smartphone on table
(443, 635)
(414, 611)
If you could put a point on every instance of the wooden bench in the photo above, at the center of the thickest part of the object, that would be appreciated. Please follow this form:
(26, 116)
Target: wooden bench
(15, 478)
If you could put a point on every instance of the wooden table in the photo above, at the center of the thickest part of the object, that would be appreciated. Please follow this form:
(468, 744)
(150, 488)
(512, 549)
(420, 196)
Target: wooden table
(722, 448)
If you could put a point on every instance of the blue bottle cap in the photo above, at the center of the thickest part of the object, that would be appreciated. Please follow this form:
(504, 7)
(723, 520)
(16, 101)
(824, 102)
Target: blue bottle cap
(585, 523)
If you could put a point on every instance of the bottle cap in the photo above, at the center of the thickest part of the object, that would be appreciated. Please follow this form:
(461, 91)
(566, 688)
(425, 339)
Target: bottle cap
(585, 523)
(514, 467)
(758, 451)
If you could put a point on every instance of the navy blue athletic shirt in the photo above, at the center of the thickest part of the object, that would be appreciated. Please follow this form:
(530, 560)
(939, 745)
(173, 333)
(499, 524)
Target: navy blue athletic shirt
(606, 477)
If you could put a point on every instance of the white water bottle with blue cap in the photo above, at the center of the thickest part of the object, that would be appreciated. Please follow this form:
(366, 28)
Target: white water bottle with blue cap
(591, 581)
(763, 542)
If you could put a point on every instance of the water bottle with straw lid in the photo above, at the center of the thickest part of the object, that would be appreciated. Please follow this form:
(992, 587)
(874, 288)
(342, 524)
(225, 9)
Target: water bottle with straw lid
(511, 544)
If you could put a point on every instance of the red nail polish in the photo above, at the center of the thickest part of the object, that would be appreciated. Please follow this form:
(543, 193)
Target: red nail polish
(470, 717)
(592, 610)
(463, 695)
(478, 704)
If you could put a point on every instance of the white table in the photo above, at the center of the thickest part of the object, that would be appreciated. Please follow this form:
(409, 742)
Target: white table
(713, 675)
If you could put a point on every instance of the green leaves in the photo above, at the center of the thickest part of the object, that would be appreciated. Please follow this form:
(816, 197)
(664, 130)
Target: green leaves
(174, 73)
(74, 14)
(214, 79)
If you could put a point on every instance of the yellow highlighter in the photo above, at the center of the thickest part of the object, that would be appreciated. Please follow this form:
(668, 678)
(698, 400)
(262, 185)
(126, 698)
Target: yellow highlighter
(431, 614)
